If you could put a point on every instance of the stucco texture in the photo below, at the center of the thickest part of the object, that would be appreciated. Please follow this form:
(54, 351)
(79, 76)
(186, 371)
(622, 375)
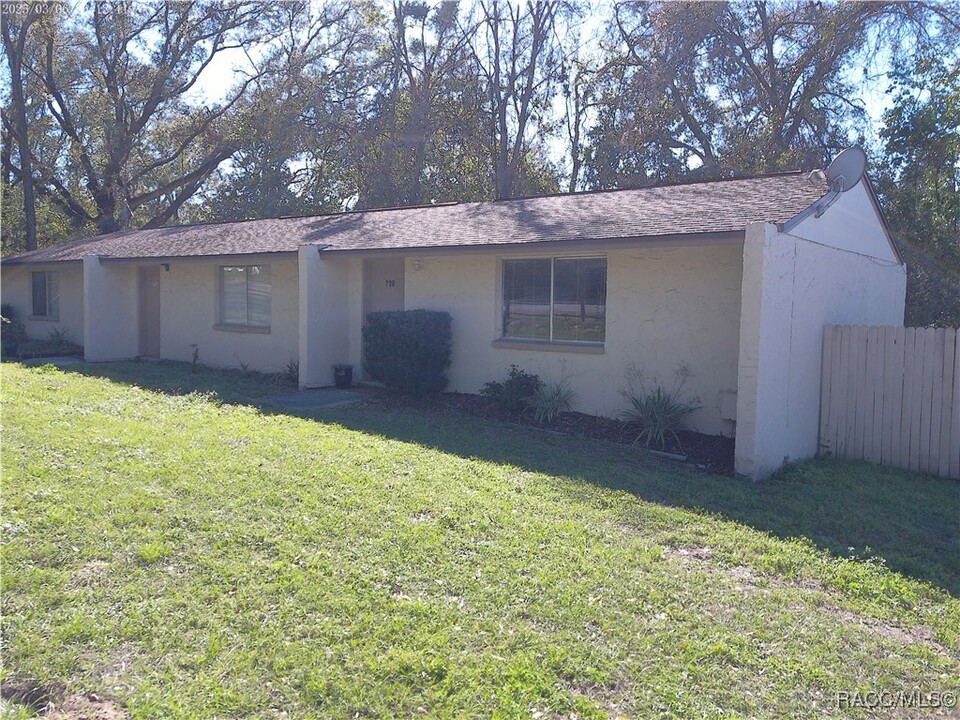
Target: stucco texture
(837, 269)
(17, 290)
(189, 312)
(110, 310)
(666, 306)
(330, 318)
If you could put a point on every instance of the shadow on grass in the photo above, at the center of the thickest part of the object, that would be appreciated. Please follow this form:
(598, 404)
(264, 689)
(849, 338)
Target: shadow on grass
(846, 508)
(181, 378)
(911, 521)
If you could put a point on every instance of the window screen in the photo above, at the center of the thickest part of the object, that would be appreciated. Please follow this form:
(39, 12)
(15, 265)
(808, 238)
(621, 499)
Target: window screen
(526, 299)
(46, 294)
(245, 295)
(579, 299)
(555, 299)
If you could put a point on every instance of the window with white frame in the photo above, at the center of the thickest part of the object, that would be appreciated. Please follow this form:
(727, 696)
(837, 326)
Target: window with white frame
(46, 295)
(245, 296)
(555, 299)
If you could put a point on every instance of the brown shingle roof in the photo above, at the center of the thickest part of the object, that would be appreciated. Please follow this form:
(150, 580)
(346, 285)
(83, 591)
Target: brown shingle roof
(702, 207)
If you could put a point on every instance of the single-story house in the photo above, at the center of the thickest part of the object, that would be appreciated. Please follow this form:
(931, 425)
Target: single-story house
(732, 279)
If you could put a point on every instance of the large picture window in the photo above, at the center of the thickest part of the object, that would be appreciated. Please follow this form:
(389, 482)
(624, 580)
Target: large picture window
(46, 295)
(245, 296)
(555, 299)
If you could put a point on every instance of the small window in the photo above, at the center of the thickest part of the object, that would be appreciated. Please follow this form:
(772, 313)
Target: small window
(245, 296)
(555, 299)
(46, 295)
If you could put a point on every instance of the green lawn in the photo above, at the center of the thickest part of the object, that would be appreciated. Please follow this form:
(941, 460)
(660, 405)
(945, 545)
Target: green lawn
(184, 553)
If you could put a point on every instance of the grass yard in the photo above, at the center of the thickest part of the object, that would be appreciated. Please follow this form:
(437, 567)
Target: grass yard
(180, 552)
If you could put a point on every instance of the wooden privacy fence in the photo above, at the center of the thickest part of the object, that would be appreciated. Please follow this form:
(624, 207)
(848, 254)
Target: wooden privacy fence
(892, 395)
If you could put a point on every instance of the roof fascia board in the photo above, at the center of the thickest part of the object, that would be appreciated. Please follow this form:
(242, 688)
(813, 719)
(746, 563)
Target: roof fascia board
(186, 259)
(732, 237)
(875, 201)
(25, 263)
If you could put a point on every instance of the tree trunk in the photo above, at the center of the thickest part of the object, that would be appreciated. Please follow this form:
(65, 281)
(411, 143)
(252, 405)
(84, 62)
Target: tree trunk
(13, 45)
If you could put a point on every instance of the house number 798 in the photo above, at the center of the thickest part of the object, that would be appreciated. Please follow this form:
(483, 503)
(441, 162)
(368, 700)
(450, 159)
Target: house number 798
(390, 283)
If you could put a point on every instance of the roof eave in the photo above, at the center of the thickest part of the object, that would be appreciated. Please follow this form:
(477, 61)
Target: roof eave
(16, 260)
(157, 259)
(725, 237)
(875, 200)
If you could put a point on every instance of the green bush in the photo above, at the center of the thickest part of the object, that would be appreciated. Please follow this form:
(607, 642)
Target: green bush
(13, 332)
(408, 350)
(58, 342)
(656, 413)
(549, 401)
(513, 392)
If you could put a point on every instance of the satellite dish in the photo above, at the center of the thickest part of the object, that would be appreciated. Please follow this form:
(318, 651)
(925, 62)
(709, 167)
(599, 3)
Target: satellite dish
(847, 169)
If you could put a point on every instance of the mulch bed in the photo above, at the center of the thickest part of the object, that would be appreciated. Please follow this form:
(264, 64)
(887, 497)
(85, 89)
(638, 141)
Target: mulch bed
(712, 453)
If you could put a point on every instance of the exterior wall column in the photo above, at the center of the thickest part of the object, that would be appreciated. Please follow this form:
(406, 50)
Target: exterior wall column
(749, 440)
(779, 364)
(324, 320)
(792, 287)
(109, 311)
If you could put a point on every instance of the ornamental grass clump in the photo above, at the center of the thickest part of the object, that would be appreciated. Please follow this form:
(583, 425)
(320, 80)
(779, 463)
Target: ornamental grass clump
(549, 401)
(289, 374)
(654, 412)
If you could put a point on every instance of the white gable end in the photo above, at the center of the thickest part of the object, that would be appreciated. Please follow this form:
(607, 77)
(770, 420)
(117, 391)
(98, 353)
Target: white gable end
(851, 223)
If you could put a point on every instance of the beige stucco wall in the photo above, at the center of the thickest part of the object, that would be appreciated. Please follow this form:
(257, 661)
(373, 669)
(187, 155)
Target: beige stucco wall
(105, 318)
(110, 310)
(665, 306)
(836, 269)
(189, 311)
(16, 288)
(330, 318)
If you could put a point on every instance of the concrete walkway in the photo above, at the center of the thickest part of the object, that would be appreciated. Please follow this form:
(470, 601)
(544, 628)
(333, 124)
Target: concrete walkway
(313, 399)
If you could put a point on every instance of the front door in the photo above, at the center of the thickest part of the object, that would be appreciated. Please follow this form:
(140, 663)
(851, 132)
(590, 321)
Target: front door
(150, 311)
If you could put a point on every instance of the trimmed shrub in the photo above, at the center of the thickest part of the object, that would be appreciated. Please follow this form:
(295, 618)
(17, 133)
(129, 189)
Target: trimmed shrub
(408, 350)
(13, 332)
(513, 392)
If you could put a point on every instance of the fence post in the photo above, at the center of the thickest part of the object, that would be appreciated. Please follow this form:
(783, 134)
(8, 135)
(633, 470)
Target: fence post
(955, 424)
(825, 437)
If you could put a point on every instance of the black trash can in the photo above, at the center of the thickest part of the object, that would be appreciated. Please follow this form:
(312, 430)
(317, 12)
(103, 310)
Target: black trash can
(343, 376)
